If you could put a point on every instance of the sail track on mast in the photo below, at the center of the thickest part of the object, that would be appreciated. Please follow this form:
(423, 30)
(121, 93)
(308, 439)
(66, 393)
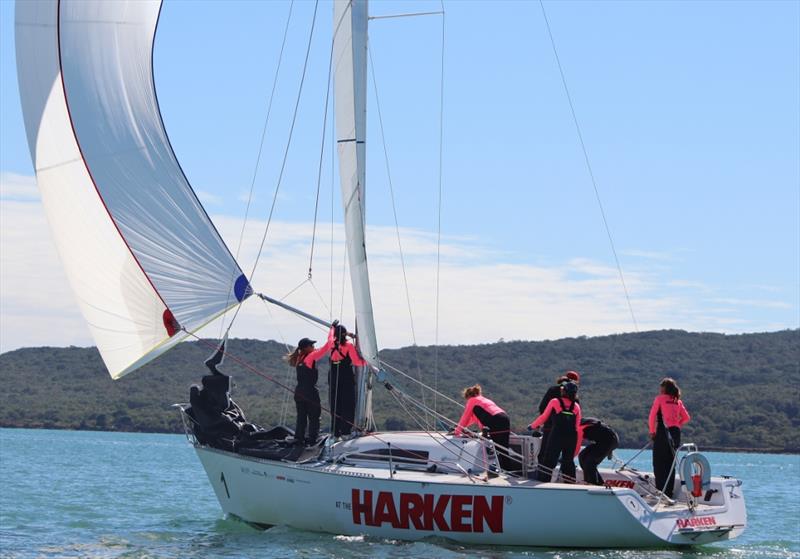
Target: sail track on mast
(350, 96)
(142, 256)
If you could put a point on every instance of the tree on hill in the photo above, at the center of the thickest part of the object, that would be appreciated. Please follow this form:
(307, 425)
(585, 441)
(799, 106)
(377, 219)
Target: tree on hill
(743, 391)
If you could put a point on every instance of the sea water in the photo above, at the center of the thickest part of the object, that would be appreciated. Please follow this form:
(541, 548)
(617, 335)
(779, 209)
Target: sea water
(96, 494)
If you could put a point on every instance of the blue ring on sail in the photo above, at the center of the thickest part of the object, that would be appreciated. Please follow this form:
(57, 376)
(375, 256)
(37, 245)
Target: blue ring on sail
(242, 288)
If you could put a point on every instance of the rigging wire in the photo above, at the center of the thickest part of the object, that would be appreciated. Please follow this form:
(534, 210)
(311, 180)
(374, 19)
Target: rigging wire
(394, 211)
(396, 392)
(288, 141)
(320, 297)
(253, 369)
(394, 16)
(321, 155)
(439, 227)
(412, 379)
(258, 160)
(589, 166)
(285, 403)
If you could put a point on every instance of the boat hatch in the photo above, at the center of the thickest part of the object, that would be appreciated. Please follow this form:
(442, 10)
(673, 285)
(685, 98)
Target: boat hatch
(402, 456)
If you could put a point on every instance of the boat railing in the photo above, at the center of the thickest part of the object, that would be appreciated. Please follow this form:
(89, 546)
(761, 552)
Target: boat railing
(188, 422)
(686, 447)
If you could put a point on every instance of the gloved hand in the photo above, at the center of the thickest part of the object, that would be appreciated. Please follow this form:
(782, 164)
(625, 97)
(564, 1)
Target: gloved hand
(335, 323)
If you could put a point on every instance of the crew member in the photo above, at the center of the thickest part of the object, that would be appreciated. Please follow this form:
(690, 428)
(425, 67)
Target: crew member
(667, 416)
(306, 396)
(342, 382)
(564, 440)
(481, 410)
(554, 392)
(602, 442)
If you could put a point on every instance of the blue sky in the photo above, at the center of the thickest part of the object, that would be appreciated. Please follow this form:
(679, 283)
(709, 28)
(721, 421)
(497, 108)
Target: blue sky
(689, 111)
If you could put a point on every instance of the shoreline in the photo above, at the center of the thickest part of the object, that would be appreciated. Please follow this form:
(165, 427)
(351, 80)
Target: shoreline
(733, 450)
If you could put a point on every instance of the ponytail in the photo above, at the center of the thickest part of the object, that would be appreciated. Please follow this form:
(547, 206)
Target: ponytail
(472, 391)
(293, 358)
(671, 387)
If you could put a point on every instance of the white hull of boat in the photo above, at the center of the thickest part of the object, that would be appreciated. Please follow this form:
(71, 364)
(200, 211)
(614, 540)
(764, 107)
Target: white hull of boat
(411, 505)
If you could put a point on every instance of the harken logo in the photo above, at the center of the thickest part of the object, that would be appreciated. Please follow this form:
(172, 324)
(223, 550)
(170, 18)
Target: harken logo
(696, 522)
(445, 513)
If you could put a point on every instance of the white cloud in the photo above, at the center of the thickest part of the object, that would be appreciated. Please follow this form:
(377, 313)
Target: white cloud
(648, 254)
(17, 187)
(36, 304)
(764, 303)
(481, 299)
(207, 198)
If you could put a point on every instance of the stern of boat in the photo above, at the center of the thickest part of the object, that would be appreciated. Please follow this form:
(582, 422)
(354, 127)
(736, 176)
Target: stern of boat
(717, 515)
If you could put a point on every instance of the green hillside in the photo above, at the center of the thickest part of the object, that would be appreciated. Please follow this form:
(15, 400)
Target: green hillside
(743, 391)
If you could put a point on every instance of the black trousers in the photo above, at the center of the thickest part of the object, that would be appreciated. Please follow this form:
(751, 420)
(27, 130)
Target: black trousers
(343, 404)
(308, 411)
(559, 447)
(546, 428)
(664, 447)
(499, 430)
(591, 457)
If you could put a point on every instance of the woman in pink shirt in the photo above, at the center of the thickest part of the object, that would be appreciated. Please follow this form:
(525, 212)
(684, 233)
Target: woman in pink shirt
(306, 396)
(481, 410)
(667, 416)
(565, 435)
(342, 381)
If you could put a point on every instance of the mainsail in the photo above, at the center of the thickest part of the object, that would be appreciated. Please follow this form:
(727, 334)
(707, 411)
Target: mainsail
(141, 254)
(350, 88)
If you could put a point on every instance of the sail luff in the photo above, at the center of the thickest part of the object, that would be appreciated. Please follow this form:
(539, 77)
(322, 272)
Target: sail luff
(350, 87)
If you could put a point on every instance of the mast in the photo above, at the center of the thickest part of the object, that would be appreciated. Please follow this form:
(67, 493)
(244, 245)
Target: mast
(350, 93)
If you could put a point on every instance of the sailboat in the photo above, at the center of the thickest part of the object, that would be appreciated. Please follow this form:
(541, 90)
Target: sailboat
(149, 269)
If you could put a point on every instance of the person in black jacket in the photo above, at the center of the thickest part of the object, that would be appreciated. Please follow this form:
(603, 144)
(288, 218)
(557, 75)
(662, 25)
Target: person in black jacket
(602, 442)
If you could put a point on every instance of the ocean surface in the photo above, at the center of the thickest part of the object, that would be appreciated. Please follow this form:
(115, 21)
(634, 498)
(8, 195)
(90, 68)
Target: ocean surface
(127, 495)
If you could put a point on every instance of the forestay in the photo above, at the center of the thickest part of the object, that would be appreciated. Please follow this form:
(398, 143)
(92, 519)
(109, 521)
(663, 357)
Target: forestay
(142, 256)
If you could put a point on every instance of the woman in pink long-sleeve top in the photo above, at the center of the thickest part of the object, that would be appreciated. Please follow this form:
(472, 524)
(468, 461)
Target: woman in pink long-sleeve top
(667, 416)
(481, 410)
(306, 396)
(342, 381)
(564, 441)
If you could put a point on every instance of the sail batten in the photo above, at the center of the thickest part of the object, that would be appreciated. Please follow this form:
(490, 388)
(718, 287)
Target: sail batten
(143, 257)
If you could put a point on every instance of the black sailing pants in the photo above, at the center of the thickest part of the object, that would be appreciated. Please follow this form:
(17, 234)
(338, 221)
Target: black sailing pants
(664, 447)
(558, 446)
(343, 402)
(591, 456)
(499, 430)
(308, 411)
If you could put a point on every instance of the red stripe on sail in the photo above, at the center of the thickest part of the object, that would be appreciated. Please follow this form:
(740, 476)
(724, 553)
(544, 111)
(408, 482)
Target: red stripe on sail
(170, 331)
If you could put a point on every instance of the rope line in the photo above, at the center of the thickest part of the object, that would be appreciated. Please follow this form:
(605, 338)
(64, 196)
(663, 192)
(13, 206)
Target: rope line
(394, 212)
(253, 369)
(264, 129)
(412, 379)
(321, 155)
(439, 227)
(288, 141)
(258, 163)
(589, 167)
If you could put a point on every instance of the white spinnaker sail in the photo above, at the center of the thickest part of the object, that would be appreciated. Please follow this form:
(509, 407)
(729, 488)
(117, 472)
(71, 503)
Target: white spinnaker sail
(350, 19)
(139, 250)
